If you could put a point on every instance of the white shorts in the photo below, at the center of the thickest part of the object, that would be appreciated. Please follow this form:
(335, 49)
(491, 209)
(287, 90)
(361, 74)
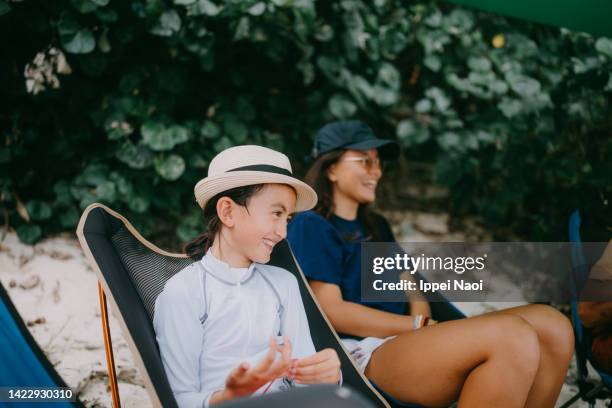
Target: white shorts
(361, 350)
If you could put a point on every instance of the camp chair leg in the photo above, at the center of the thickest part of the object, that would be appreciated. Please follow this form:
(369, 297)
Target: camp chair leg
(108, 345)
(591, 396)
(571, 401)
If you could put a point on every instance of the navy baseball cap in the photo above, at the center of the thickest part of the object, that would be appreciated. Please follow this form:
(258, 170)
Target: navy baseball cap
(354, 135)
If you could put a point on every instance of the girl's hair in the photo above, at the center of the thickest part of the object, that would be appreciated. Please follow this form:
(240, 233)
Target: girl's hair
(316, 177)
(200, 244)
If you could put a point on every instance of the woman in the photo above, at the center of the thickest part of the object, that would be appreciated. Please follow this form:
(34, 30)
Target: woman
(229, 326)
(511, 358)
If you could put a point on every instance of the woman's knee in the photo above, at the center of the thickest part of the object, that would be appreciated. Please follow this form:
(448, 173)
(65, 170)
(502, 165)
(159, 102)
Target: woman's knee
(514, 341)
(555, 331)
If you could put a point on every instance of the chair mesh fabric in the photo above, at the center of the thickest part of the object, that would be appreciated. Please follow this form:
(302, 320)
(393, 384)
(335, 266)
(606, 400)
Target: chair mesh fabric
(148, 270)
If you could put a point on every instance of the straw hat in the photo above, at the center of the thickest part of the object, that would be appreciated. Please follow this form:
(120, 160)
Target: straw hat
(247, 165)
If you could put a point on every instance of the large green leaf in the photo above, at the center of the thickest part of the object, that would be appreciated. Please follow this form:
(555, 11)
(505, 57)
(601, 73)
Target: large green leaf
(159, 137)
(257, 9)
(341, 107)
(169, 22)
(39, 210)
(206, 7)
(69, 218)
(411, 134)
(604, 46)
(236, 130)
(155, 136)
(136, 156)
(449, 141)
(523, 85)
(210, 130)
(29, 233)
(169, 167)
(75, 39)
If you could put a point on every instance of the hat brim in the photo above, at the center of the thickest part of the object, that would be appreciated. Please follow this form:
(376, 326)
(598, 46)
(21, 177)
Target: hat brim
(209, 187)
(387, 149)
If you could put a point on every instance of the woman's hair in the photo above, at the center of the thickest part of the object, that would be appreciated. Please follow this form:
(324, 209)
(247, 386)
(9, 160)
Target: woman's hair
(317, 178)
(240, 195)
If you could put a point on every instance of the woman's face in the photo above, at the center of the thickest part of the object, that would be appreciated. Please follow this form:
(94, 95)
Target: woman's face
(355, 175)
(260, 225)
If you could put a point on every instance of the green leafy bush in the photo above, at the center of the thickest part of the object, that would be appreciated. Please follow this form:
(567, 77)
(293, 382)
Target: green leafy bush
(126, 103)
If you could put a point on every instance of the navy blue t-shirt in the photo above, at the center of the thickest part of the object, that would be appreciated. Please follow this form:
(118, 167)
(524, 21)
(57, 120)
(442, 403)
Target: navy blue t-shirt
(328, 250)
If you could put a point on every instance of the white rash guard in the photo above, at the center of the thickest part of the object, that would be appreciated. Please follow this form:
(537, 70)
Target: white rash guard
(202, 338)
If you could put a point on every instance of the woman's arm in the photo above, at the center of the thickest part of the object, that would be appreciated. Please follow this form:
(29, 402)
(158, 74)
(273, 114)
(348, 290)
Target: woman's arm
(595, 314)
(419, 306)
(355, 319)
(418, 302)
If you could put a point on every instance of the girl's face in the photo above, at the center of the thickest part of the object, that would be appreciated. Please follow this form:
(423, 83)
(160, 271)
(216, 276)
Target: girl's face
(355, 175)
(259, 226)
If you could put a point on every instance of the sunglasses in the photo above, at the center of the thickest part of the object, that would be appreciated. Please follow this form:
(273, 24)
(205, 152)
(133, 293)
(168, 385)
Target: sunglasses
(366, 162)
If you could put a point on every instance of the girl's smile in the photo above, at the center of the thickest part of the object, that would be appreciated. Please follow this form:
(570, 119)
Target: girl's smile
(269, 244)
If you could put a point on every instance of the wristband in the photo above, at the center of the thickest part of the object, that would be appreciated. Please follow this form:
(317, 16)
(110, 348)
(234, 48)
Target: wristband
(419, 321)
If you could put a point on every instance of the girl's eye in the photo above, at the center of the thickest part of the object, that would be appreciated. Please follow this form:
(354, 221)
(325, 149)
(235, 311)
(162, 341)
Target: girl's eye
(277, 213)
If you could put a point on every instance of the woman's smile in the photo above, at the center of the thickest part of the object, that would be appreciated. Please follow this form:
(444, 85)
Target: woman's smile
(370, 185)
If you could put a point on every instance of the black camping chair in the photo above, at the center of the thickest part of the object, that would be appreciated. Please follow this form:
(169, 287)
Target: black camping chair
(132, 272)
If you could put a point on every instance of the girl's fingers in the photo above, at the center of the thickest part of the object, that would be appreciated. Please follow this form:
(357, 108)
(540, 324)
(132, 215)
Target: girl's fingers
(240, 370)
(312, 369)
(321, 356)
(326, 380)
(323, 366)
(275, 367)
(315, 372)
(314, 359)
(322, 372)
(280, 366)
(269, 358)
(288, 341)
(325, 376)
(317, 376)
(237, 374)
(286, 350)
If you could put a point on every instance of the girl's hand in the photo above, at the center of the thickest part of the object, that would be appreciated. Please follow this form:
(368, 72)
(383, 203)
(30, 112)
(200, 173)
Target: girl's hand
(244, 380)
(322, 367)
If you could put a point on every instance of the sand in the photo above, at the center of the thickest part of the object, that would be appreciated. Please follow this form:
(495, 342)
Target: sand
(55, 291)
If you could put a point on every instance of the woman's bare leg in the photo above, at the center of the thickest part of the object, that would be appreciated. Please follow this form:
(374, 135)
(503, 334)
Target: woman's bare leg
(556, 338)
(484, 361)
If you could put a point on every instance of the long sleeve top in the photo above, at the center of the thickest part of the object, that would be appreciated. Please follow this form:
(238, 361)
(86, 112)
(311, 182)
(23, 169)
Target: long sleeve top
(210, 317)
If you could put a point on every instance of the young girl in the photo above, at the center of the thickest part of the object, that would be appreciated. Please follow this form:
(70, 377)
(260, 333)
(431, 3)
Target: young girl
(229, 325)
(511, 358)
